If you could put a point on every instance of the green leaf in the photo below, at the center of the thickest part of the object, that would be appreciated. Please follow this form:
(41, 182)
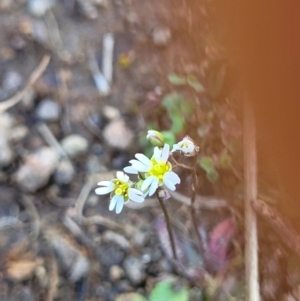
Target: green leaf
(193, 82)
(165, 291)
(176, 79)
(177, 124)
(225, 160)
(212, 175)
(172, 102)
(130, 297)
(169, 137)
(207, 164)
(186, 107)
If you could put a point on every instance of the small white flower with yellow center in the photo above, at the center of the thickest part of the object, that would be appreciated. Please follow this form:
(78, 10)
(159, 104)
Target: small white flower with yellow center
(121, 191)
(156, 172)
(186, 146)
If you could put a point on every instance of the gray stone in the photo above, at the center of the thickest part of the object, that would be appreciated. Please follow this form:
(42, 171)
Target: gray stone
(118, 135)
(64, 173)
(134, 269)
(74, 145)
(115, 273)
(6, 121)
(18, 133)
(95, 164)
(48, 110)
(37, 169)
(12, 81)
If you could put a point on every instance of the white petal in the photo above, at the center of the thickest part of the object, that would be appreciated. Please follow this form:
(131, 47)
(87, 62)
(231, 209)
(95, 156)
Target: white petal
(143, 159)
(175, 148)
(147, 183)
(135, 195)
(156, 154)
(113, 202)
(172, 176)
(122, 177)
(139, 166)
(105, 183)
(120, 204)
(153, 186)
(130, 169)
(105, 190)
(169, 184)
(165, 153)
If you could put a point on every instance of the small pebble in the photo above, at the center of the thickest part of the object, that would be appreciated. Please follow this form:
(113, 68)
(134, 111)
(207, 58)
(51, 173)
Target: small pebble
(18, 133)
(12, 81)
(37, 169)
(48, 110)
(118, 135)
(64, 173)
(140, 239)
(74, 145)
(111, 113)
(134, 269)
(95, 165)
(115, 273)
(161, 35)
(6, 121)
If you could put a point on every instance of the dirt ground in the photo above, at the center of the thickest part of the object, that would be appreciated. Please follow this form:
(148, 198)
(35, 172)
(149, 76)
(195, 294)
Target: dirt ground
(58, 239)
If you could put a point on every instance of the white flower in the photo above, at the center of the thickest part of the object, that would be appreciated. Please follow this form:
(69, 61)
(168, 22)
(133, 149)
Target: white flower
(186, 146)
(121, 191)
(156, 172)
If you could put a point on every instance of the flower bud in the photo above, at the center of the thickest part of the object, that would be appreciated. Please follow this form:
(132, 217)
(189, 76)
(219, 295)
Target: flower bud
(155, 138)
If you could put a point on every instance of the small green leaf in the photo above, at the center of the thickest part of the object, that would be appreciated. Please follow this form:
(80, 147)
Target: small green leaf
(207, 164)
(193, 82)
(169, 137)
(176, 79)
(172, 102)
(177, 124)
(130, 297)
(165, 291)
(225, 160)
(212, 175)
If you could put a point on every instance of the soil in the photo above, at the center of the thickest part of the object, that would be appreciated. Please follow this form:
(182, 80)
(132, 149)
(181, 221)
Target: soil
(48, 252)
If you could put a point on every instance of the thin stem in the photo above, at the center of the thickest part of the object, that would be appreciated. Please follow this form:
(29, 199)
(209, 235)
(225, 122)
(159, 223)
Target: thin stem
(193, 212)
(168, 223)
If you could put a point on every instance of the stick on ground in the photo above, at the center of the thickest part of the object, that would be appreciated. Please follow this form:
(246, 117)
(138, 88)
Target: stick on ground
(251, 248)
(36, 74)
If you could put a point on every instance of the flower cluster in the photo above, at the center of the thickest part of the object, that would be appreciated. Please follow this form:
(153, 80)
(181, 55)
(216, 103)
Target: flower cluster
(152, 173)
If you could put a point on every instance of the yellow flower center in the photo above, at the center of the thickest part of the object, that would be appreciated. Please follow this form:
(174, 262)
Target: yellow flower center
(121, 188)
(159, 169)
(185, 144)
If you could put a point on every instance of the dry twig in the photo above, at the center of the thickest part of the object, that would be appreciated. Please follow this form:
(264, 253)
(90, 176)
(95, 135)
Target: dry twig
(251, 248)
(32, 79)
(96, 219)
